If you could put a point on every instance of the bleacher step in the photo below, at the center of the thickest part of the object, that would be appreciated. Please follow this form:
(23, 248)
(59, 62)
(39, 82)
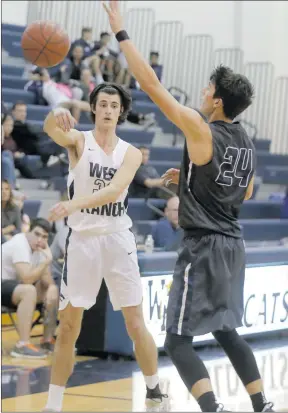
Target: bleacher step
(42, 194)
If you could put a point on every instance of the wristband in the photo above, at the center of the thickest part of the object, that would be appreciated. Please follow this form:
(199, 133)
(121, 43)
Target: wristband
(121, 36)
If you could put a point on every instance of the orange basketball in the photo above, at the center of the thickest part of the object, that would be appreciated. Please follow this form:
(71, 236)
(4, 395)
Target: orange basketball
(45, 43)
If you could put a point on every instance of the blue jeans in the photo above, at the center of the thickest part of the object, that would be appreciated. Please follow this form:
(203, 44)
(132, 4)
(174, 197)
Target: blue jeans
(8, 169)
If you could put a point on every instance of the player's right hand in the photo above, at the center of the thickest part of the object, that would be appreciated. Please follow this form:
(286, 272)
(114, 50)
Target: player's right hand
(171, 177)
(64, 119)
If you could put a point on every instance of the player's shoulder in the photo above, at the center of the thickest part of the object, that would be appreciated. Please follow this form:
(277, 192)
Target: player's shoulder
(133, 153)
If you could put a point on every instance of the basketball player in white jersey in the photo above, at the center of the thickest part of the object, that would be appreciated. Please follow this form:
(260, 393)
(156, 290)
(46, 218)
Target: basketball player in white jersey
(100, 243)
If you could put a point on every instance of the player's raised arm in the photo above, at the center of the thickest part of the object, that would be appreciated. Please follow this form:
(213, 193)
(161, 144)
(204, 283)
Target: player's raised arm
(196, 130)
(59, 126)
(110, 193)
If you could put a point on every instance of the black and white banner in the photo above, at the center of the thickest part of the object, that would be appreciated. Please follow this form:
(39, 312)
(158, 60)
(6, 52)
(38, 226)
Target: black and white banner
(265, 302)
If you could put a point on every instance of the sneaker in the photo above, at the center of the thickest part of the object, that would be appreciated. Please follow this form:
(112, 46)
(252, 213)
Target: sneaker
(28, 351)
(154, 397)
(48, 346)
(268, 407)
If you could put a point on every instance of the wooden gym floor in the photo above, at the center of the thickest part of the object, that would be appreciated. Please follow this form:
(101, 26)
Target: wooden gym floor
(105, 385)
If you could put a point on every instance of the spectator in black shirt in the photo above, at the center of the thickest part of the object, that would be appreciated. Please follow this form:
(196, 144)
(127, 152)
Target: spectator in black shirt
(85, 42)
(74, 66)
(30, 139)
(147, 181)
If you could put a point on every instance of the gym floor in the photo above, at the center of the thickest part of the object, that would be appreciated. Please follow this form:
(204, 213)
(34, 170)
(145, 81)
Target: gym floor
(105, 385)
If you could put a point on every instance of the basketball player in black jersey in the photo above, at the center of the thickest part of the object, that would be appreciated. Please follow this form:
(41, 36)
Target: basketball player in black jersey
(216, 176)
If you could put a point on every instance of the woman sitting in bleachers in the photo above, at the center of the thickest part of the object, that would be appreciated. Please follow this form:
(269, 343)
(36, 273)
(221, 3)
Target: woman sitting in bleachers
(11, 216)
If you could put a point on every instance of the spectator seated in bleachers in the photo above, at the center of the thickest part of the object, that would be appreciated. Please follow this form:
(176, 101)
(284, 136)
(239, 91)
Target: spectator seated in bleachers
(7, 161)
(147, 182)
(26, 281)
(31, 139)
(56, 94)
(108, 58)
(154, 63)
(85, 42)
(166, 233)
(10, 215)
(12, 151)
(86, 84)
(73, 66)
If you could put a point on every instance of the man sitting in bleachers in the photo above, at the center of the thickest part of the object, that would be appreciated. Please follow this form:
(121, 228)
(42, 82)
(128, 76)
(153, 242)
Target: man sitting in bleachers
(30, 139)
(167, 234)
(26, 281)
(147, 181)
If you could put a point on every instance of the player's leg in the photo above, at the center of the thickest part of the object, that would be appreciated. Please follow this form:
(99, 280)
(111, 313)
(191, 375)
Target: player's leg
(64, 355)
(180, 317)
(236, 348)
(125, 289)
(81, 280)
(145, 348)
(244, 363)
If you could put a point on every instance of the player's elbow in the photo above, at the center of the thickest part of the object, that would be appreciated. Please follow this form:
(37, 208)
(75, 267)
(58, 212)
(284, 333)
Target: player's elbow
(249, 193)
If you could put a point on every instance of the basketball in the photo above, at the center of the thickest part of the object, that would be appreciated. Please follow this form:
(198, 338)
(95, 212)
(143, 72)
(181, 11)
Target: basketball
(45, 43)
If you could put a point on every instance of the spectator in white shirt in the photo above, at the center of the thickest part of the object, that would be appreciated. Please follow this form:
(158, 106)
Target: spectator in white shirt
(27, 281)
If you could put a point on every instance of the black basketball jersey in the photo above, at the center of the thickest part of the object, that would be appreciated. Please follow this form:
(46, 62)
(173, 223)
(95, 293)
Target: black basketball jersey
(211, 195)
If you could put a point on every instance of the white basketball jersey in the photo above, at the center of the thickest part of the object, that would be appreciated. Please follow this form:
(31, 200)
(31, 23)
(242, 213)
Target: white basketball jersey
(94, 171)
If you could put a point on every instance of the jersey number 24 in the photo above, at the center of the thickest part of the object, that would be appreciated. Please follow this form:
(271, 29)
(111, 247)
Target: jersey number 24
(236, 167)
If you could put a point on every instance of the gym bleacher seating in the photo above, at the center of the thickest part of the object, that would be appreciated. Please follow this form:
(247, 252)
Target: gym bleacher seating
(260, 220)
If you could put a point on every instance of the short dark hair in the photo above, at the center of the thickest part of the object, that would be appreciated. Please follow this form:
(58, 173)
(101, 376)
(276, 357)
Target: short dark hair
(104, 34)
(42, 223)
(112, 89)
(18, 103)
(156, 54)
(234, 89)
(86, 30)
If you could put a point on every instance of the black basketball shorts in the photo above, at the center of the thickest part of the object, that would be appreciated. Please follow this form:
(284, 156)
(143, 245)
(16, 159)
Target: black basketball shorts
(208, 285)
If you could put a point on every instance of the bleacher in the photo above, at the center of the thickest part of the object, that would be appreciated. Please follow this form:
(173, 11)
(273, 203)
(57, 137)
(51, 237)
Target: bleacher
(260, 220)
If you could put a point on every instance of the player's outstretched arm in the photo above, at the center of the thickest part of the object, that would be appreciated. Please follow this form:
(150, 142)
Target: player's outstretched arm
(121, 180)
(59, 125)
(196, 130)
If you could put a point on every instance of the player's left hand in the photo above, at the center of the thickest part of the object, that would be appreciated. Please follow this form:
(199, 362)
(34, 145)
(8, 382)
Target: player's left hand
(61, 210)
(114, 15)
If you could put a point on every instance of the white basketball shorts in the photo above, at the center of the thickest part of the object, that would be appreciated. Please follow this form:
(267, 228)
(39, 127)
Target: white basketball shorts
(89, 259)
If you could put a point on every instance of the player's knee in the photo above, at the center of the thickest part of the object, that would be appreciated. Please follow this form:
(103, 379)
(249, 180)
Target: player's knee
(173, 343)
(169, 344)
(135, 327)
(69, 329)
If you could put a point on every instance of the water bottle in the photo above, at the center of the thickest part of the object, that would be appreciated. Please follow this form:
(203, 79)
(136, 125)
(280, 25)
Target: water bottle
(149, 244)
